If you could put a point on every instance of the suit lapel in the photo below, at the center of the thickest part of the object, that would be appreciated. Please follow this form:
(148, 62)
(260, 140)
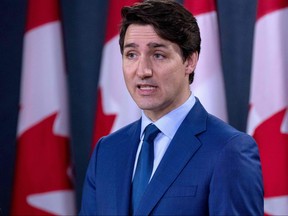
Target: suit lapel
(181, 149)
(124, 167)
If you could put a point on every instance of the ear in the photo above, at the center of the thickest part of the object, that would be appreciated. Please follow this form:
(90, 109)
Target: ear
(191, 62)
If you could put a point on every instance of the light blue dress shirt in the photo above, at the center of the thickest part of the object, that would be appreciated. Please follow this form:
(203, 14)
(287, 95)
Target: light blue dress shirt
(168, 125)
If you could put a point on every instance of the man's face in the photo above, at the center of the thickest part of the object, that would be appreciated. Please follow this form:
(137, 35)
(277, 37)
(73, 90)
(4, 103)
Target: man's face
(154, 71)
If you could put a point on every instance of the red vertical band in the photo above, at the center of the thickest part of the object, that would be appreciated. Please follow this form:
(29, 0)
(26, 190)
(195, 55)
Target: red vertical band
(199, 7)
(41, 12)
(268, 6)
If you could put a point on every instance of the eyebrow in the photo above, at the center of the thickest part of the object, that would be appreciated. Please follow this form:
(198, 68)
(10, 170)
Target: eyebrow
(151, 45)
(133, 45)
(156, 45)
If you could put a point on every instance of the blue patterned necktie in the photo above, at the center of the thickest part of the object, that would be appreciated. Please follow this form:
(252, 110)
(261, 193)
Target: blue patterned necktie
(144, 165)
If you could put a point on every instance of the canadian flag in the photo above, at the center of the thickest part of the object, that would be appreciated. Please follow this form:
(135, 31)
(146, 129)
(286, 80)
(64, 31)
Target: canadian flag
(208, 84)
(115, 107)
(268, 116)
(43, 177)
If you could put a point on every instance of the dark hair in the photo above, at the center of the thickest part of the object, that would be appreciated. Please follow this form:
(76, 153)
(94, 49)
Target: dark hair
(171, 21)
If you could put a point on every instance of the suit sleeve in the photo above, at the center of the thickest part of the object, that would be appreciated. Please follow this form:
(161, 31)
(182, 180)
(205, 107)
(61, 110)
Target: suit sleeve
(236, 186)
(88, 205)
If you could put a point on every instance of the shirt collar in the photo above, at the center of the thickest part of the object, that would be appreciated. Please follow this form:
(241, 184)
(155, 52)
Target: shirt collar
(169, 123)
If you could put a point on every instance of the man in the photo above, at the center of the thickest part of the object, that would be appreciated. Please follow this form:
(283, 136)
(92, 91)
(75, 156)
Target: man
(200, 165)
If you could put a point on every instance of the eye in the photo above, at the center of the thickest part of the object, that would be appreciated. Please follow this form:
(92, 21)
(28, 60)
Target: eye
(159, 56)
(131, 55)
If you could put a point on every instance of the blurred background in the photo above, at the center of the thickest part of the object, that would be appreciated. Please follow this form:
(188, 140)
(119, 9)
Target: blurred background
(86, 30)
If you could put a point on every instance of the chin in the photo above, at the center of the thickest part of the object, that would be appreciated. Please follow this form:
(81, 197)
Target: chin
(146, 102)
(147, 106)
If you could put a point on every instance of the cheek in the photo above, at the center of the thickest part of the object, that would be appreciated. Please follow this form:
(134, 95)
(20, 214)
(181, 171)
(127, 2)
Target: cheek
(127, 73)
(129, 80)
(172, 77)
(174, 83)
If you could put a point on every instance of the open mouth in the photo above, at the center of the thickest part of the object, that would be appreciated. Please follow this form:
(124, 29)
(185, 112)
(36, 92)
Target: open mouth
(146, 87)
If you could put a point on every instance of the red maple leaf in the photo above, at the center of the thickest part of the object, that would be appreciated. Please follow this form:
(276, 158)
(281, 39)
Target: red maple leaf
(43, 159)
(103, 122)
(273, 147)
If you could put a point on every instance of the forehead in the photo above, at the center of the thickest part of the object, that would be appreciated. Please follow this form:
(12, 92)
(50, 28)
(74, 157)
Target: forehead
(143, 34)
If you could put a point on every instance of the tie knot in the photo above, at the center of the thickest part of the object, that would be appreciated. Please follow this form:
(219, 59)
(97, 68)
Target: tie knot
(151, 132)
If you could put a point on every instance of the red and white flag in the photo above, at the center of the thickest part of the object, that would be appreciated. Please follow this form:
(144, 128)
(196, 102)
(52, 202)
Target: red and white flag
(43, 177)
(268, 116)
(208, 84)
(115, 107)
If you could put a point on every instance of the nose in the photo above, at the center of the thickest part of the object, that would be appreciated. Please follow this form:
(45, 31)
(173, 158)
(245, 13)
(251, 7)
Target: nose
(144, 69)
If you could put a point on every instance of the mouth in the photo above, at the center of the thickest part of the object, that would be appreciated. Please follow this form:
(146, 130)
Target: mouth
(146, 89)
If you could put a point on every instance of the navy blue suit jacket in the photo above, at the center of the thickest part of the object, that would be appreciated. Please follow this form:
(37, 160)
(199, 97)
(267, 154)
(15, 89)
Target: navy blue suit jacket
(209, 168)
